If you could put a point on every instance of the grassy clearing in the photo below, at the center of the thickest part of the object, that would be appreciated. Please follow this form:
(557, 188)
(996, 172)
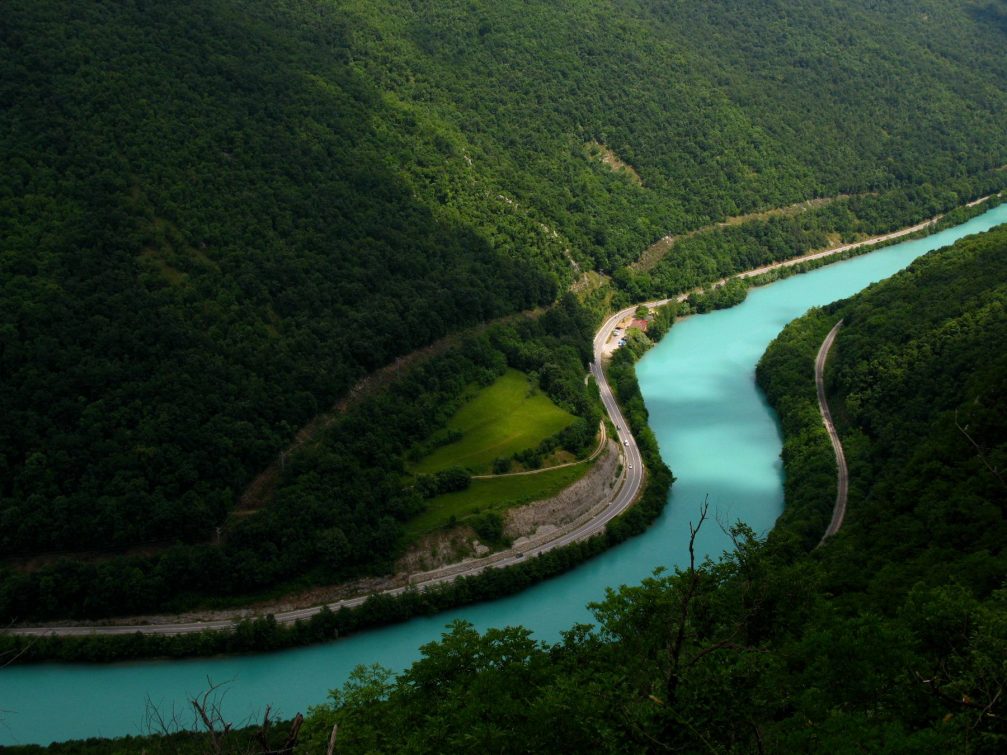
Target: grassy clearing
(499, 420)
(607, 156)
(497, 494)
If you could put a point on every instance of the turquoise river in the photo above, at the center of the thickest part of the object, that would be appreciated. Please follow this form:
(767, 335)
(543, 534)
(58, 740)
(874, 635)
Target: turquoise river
(715, 431)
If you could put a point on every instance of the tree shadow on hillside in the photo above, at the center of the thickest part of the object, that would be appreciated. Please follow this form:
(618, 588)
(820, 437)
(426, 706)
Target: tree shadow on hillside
(993, 14)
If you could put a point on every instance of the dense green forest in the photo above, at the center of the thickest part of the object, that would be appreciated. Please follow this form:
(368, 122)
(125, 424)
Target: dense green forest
(216, 216)
(891, 637)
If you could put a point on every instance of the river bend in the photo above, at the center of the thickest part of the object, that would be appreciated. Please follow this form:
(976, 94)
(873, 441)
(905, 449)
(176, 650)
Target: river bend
(716, 433)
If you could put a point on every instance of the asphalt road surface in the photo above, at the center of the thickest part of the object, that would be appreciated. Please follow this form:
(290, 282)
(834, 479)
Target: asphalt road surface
(842, 473)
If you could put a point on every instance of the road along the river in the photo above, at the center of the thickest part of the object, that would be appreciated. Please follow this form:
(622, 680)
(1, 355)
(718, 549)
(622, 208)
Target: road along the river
(842, 473)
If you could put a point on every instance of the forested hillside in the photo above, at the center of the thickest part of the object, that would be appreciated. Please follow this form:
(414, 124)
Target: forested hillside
(215, 216)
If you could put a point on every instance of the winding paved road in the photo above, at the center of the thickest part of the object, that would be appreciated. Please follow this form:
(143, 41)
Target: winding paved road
(842, 473)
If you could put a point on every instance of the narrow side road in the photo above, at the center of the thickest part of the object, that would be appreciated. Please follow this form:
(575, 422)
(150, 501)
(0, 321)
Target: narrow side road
(842, 473)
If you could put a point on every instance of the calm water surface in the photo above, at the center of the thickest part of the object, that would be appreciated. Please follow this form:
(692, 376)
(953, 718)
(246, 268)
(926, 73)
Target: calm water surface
(715, 431)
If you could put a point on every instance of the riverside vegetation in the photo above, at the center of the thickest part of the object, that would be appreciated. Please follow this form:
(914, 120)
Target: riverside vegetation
(916, 386)
(217, 216)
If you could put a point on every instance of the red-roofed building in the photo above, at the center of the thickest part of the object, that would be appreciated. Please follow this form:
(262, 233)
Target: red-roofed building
(639, 325)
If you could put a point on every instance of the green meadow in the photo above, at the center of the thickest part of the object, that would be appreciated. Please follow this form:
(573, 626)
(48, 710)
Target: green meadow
(501, 419)
(494, 494)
